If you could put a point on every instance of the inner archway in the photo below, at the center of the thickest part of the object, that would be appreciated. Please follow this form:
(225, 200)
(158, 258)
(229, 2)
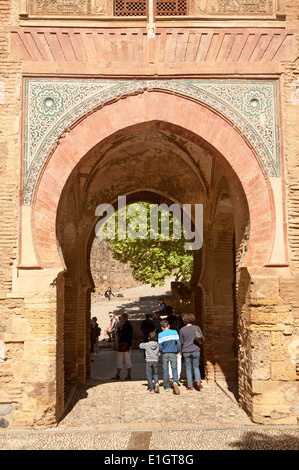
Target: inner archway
(172, 177)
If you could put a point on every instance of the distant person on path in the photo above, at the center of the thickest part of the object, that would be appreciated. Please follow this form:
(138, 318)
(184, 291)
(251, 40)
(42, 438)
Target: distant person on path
(152, 354)
(190, 351)
(108, 330)
(97, 334)
(161, 307)
(124, 347)
(158, 313)
(108, 293)
(147, 326)
(169, 346)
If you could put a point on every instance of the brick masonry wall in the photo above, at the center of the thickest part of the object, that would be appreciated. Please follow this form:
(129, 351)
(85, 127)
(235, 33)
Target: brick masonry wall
(10, 111)
(11, 310)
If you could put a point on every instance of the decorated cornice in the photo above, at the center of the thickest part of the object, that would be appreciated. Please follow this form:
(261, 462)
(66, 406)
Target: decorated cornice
(170, 46)
(53, 105)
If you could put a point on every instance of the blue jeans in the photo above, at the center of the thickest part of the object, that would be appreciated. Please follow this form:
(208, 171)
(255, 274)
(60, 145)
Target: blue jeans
(192, 361)
(151, 371)
(166, 358)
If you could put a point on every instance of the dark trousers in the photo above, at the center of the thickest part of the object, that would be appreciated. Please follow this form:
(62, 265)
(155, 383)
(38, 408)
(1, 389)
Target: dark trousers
(151, 371)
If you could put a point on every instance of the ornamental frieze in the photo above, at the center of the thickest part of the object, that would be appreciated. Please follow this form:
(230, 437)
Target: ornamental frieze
(195, 8)
(68, 8)
(236, 7)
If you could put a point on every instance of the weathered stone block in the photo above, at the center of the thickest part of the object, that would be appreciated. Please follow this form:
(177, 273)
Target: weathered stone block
(277, 353)
(2, 352)
(264, 290)
(260, 355)
(271, 398)
(4, 423)
(283, 371)
(274, 413)
(5, 409)
(263, 386)
(276, 338)
(20, 326)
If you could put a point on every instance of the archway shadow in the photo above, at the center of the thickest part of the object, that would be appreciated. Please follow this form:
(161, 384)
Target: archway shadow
(259, 440)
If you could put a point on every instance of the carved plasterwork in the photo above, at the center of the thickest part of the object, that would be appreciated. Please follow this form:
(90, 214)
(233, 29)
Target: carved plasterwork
(54, 105)
(236, 7)
(98, 7)
(67, 7)
(199, 8)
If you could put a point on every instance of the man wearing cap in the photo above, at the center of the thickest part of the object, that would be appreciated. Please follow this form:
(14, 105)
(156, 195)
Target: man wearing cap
(108, 330)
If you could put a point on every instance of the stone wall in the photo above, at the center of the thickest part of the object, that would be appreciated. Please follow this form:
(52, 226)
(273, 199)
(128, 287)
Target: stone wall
(107, 271)
(268, 355)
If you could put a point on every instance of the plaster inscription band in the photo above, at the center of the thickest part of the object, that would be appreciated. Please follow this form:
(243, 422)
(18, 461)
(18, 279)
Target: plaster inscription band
(200, 8)
(53, 105)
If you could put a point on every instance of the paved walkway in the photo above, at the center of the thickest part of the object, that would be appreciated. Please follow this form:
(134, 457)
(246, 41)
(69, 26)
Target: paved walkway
(118, 416)
(125, 404)
(122, 415)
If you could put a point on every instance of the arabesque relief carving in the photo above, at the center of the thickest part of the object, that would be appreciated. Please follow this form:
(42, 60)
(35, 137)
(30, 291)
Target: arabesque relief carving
(199, 8)
(236, 7)
(67, 7)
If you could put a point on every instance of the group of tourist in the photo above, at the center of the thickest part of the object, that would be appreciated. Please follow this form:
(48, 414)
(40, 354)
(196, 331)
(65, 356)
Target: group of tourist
(166, 336)
(171, 338)
(122, 330)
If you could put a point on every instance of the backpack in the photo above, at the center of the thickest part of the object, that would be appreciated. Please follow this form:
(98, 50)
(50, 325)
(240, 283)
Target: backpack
(198, 336)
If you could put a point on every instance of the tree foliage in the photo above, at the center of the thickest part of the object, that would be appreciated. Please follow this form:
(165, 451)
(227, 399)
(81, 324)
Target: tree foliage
(150, 252)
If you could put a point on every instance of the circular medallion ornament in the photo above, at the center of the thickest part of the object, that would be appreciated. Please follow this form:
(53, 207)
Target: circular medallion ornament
(49, 102)
(255, 102)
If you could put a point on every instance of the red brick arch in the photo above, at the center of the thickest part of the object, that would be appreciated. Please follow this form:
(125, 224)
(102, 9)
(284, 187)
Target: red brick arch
(228, 146)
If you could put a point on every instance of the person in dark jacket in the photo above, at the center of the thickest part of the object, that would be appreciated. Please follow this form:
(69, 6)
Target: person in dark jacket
(171, 317)
(125, 333)
(190, 351)
(147, 326)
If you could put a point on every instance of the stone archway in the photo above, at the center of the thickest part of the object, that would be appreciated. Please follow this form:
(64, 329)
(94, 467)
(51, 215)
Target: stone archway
(108, 153)
(194, 120)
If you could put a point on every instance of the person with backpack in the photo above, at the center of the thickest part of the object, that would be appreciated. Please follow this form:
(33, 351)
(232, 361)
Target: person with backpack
(191, 351)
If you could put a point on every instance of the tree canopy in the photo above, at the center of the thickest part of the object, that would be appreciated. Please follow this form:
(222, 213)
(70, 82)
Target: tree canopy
(152, 242)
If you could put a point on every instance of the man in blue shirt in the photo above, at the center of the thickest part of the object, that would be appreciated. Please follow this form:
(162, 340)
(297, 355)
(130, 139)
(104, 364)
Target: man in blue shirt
(169, 346)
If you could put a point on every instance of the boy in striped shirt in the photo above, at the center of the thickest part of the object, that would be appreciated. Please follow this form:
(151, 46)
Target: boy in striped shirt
(169, 346)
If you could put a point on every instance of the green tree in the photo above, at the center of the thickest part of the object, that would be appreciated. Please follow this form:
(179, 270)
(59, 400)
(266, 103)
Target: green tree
(152, 252)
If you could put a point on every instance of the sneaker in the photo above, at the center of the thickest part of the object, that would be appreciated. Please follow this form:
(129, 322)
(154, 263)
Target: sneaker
(157, 388)
(128, 377)
(176, 389)
(116, 377)
(199, 385)
(190, 388)
(166, 389)
(151, 391)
